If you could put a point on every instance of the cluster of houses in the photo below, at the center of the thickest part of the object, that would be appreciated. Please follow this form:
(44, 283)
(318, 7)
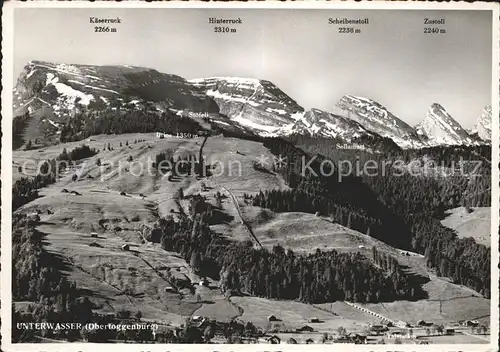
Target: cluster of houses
(469, 323)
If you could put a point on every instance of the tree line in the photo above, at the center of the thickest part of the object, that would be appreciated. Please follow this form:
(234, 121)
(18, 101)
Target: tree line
(118, 121)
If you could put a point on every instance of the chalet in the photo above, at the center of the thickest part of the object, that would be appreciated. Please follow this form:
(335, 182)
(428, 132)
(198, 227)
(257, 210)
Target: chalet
(356, 338)
(74, 193)
(470, 323)
(314, 320)
(309, 341)
(305, 328)
(449, 331)
(93, 234)
(64, 190)
(275, 340)
(422, 323)
(272, 318)
(204, 282)
(125, 247)
(378, 328)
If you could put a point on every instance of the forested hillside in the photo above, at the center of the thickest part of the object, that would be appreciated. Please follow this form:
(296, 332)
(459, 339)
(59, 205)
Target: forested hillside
(127, 121)
(319, 277)
(392, 207)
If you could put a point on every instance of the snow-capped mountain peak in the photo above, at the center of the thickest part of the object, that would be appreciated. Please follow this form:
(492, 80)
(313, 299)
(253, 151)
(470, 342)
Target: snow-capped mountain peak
(253, 103)
(441, 128)
(376, 118)
(483, 125)
(52, 92)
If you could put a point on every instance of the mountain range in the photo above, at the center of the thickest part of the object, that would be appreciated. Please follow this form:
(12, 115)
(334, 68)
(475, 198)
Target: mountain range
(53, 92)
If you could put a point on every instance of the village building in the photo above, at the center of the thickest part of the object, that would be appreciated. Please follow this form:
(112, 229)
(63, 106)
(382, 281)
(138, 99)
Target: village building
(275, 340)
(305, 328)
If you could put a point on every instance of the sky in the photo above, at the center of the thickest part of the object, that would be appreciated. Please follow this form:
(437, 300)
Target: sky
(391, 61)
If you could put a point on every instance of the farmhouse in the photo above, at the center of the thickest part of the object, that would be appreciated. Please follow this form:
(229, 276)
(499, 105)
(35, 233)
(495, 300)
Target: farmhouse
(125, 247)
(305, 328)
(93, 234)
(275, 340)
(378, 328)
(449, 331)
(423, 323)
(355, 338)
(272, 318)
(470, 323)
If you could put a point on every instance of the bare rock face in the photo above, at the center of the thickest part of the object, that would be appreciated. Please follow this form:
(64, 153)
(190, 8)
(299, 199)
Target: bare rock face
(376, 118)
(319, 122)
(342, 130)
(252, 103)
(441, 128)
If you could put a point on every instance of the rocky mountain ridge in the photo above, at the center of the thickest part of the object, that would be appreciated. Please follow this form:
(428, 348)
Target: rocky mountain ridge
(259, 106)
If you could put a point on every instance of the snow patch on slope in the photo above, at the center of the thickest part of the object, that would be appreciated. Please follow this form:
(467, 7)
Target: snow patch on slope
(68, 95)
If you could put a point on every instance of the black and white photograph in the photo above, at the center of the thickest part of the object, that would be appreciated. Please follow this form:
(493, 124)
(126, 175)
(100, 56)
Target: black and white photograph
(250, 175)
